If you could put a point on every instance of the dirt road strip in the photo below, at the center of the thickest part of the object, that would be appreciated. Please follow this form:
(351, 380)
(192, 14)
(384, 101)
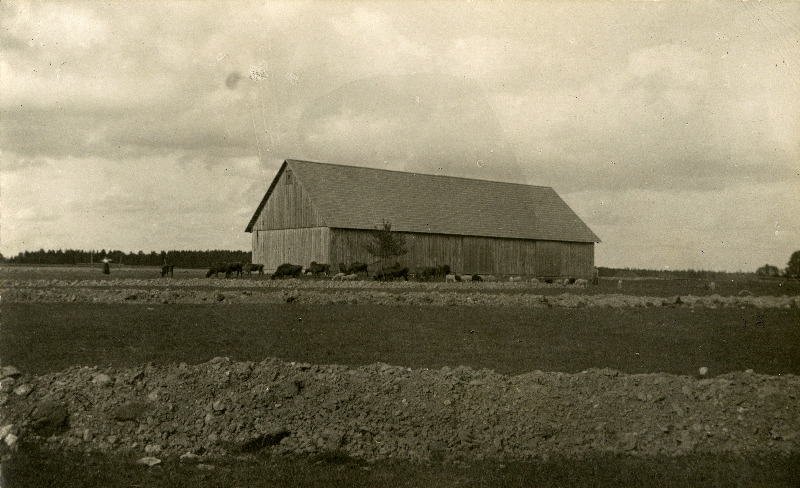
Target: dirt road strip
(380, 297)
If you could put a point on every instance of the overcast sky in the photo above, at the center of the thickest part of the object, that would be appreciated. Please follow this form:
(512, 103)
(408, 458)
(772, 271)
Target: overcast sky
(671, 128)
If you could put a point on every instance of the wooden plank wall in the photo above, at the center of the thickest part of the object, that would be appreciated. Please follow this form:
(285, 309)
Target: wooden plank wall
(469, 254)
(578, 260)
(548, 258)
(348, 246)
(296, 246)
(288, 207)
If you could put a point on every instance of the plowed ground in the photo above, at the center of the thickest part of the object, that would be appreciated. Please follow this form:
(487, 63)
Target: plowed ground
(479, 395)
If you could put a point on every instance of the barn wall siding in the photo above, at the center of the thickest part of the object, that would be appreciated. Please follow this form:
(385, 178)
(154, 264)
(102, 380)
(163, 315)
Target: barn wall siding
(471, 254)
(288, 207)
(296, 246)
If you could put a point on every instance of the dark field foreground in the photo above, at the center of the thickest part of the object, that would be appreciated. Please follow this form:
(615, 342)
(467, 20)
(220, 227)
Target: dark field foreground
(34, 468)
(42, 338)
(47, 337)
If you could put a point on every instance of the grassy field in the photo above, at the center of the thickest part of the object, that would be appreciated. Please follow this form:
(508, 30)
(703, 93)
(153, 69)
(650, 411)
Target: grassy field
(92, 272)
(39, 338)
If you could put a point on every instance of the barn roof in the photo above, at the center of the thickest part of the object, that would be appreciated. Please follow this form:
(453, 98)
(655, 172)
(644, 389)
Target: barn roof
(355, 197)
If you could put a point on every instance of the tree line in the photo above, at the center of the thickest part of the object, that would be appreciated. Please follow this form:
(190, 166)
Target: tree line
(180, 259)
(792, 270)
(678, 274)
(386, 245)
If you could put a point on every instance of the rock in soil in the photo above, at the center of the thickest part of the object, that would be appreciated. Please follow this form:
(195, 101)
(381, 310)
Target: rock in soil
(48, 417)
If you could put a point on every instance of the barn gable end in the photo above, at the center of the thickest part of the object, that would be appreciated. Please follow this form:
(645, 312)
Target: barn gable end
(287, 227)
(287, 205)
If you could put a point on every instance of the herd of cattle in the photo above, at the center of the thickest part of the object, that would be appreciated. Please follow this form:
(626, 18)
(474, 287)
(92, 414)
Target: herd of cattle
(355, 271)
(229, 269)
(288, 270)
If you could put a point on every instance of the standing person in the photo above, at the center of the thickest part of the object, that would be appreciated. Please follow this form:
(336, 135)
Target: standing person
(106, 266)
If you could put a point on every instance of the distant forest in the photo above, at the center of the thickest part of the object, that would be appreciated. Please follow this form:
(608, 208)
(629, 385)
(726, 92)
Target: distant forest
(685, 274)
(180, 259)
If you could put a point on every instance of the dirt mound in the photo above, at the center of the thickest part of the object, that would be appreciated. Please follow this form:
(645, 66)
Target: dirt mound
(381, 411)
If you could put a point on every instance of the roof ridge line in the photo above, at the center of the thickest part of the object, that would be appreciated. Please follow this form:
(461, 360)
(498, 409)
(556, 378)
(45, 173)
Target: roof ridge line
(417, 173)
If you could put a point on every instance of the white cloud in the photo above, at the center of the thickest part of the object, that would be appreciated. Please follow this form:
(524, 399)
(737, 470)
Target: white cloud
(98, 203)
(45, 24)
(738, 228)
(370, 44)
(632, 103)
(675, 64)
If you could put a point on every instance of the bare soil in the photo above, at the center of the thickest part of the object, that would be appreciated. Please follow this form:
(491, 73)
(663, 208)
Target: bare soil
(382, 411)
(203, 412)
(327, 292)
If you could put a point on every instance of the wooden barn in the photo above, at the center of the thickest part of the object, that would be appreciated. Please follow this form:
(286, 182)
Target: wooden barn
(327, 213)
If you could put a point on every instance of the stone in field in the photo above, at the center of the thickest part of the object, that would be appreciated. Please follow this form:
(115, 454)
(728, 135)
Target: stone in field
(102, 380)
(7, 384)
(10, 440)
(9, 372)
(152, 449)
(130, 410)
(189, 456)
(149, 461)
(49, 417)
(266, 440)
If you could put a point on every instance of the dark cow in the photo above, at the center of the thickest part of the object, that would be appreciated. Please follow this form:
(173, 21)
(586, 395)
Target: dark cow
(358, 268)
(425, 273)
(432, 272)
(249, 268)
(392, 272)
(316, 268)
(234, 268)
(217, 268)
(477, 278)
(167, 269)
(354, 268)
(290, 270)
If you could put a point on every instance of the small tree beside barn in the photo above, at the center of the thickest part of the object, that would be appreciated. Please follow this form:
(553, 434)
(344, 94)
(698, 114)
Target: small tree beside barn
(386, 244)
